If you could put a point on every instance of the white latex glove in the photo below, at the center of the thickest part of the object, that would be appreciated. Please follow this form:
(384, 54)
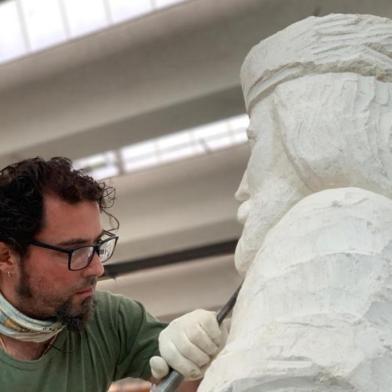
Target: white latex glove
(188, 344)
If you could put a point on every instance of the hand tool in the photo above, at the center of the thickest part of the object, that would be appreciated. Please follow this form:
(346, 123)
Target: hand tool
(172, 381)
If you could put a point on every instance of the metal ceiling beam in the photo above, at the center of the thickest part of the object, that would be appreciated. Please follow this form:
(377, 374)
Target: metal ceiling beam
(183, 256)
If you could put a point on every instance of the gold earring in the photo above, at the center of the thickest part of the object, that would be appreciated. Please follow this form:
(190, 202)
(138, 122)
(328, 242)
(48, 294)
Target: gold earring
(9, 274)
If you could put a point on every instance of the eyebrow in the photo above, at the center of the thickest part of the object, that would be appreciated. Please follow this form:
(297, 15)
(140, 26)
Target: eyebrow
(79, 241)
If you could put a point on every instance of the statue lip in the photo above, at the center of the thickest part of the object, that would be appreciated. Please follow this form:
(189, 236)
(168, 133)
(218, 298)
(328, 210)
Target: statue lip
(243, 211)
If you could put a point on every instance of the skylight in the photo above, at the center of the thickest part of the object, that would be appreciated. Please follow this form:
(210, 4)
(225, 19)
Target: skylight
(174, 147)
(42, 23)
(12, 37)
(27, 26)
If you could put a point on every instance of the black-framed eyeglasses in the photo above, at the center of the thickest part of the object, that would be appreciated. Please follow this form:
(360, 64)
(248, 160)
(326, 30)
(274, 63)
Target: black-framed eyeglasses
(81, 256)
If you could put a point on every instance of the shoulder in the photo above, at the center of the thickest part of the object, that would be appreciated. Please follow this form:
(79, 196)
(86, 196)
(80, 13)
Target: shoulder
(113, 312)
(336, 222)
(339, 207)
(112, 305)
(106, 299)
(346, 208)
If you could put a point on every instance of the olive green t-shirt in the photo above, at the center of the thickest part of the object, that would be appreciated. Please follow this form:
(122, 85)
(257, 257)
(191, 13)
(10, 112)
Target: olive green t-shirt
(117, 343)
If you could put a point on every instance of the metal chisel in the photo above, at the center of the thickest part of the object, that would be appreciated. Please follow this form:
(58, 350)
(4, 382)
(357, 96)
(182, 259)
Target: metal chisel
(172, 381)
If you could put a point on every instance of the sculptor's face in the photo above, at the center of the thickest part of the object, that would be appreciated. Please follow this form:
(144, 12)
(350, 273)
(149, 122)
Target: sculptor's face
(42, 287)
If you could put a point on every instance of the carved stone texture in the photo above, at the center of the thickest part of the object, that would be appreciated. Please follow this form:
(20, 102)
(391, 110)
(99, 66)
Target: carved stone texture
(315, 310)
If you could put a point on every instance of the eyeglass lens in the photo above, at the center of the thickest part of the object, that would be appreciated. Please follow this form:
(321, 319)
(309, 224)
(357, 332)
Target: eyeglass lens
(83, 256)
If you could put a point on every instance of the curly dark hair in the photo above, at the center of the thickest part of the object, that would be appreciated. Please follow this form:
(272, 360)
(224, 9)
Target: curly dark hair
(22, 189)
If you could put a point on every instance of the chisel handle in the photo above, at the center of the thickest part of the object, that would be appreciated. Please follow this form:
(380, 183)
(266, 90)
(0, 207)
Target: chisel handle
(171, 382)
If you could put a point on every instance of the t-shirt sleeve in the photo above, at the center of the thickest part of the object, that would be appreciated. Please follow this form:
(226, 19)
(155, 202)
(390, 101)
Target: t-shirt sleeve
(138, 338)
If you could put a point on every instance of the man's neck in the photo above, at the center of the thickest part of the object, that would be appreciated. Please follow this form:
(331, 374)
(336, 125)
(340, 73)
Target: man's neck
(24, 351)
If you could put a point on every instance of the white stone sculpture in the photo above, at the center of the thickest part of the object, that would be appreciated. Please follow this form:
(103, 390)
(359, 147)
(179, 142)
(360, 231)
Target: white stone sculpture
(315, 310)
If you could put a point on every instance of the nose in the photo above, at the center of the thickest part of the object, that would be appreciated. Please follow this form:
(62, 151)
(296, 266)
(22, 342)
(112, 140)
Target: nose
(95, 268)
(242, 193)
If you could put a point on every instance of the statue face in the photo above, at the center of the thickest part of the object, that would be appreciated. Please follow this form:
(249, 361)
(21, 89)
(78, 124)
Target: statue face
(325, 131)
(269, 185)
(249, 194)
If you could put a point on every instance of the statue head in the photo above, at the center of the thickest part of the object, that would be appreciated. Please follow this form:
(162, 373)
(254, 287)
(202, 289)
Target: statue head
(318, 94)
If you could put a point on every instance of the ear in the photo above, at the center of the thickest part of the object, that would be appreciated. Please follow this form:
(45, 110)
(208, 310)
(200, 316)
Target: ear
(7, 257)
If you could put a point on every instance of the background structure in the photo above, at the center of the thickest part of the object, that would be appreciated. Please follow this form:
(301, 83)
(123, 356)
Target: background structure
(131, 80)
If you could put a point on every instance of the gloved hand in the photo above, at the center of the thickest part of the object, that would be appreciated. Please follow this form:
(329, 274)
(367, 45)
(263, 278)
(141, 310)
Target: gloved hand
(188, 344)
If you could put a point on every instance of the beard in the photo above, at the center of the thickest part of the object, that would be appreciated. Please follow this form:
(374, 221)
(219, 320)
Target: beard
(75, 322)
(65, 312)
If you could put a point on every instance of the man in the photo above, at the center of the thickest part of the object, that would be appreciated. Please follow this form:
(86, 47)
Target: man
(56, 332)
